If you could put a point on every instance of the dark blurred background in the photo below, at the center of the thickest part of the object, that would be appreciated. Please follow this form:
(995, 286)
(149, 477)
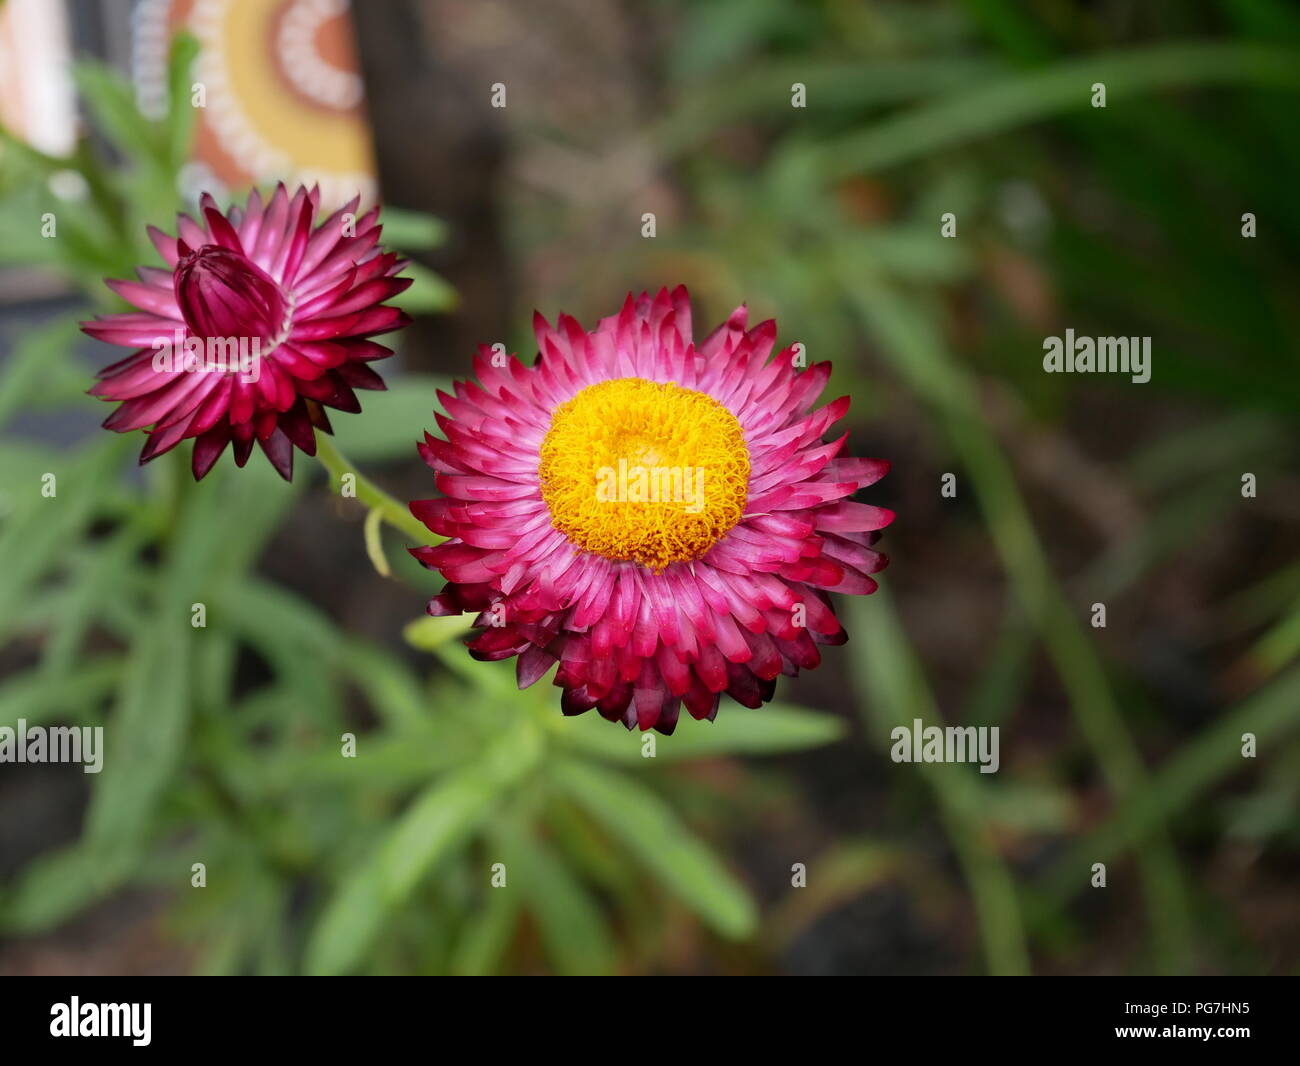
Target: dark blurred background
(1120, 745)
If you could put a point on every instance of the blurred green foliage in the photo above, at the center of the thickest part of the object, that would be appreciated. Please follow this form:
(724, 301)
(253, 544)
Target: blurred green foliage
(390, 852)
(1129, 217)
(830, 215)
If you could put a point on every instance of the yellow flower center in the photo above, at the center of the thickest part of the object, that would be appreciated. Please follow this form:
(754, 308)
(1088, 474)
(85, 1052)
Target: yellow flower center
(631, 469)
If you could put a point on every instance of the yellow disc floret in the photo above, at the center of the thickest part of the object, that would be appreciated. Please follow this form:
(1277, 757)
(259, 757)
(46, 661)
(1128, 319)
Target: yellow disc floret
(655, 473)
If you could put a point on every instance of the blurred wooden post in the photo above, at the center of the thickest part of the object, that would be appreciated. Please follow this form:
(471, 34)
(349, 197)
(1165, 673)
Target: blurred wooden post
(439, 148)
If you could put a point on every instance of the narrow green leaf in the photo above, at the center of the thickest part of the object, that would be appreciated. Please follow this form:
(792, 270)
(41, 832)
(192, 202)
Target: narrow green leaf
(1269, 714)
(434, 825)
(111, 101)
(412, 231)
(647, 825)
(393, 690)
(767, 730)
(576, 935)
(40, 697)
(27, 370)
(394, 422)
(1280, 644)
(42, 529)
(57, 885)
(485, 937)
(892, 691)
(144, 738)
(430, 633)
(1007, 102)
(180, 107)
(429, 294)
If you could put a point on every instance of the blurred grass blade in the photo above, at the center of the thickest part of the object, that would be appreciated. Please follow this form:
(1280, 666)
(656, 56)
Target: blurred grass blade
(112, 104)
(1216, 752)
(57, 884)
(433, 631)
(39, 531)
(429, 293)
(412, 231)
(485, 937)
(435, 824)
(911, 339)
(892, 691)
(766, 730)
(577, 937)
(180, 106)
(648, 827)
(393, 422)
(1280, 644)
(1026, 97)
(40, 697)
(145, 738)
(27, 370)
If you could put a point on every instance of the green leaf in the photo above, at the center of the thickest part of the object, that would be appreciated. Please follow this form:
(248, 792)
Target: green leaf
(767, 730)
(574, 930)
(749, 94)
(104, 580)
(431, 633)
(647, 825)
(42, 530)
(56, 885)
(892, 690)
(282, 617)
(436, 824)
(111, 101)
(39, 697)
(1269, 713)
(21, 465)
(1011, 101)
(392, 689)
(429, 294)
(144, 739)
(294, 635)
(27, 371)
(1280, 644)
(180, 108)
(486, 936)
(411, 231)
(394, 420)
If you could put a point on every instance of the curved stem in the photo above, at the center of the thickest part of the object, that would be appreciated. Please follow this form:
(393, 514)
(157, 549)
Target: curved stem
(367, 492)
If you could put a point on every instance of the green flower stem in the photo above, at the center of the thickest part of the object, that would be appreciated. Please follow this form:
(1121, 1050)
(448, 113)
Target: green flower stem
(367, 492)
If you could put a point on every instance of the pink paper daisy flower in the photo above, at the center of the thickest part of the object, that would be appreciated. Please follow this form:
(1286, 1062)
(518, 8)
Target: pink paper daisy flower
(662, 520)
(257, 323)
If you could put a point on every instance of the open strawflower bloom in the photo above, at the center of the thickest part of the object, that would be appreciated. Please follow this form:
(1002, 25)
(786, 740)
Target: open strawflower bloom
(260, 319)
(662, 519)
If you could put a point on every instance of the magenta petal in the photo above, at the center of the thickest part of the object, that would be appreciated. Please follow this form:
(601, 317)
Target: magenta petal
(279, 450)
